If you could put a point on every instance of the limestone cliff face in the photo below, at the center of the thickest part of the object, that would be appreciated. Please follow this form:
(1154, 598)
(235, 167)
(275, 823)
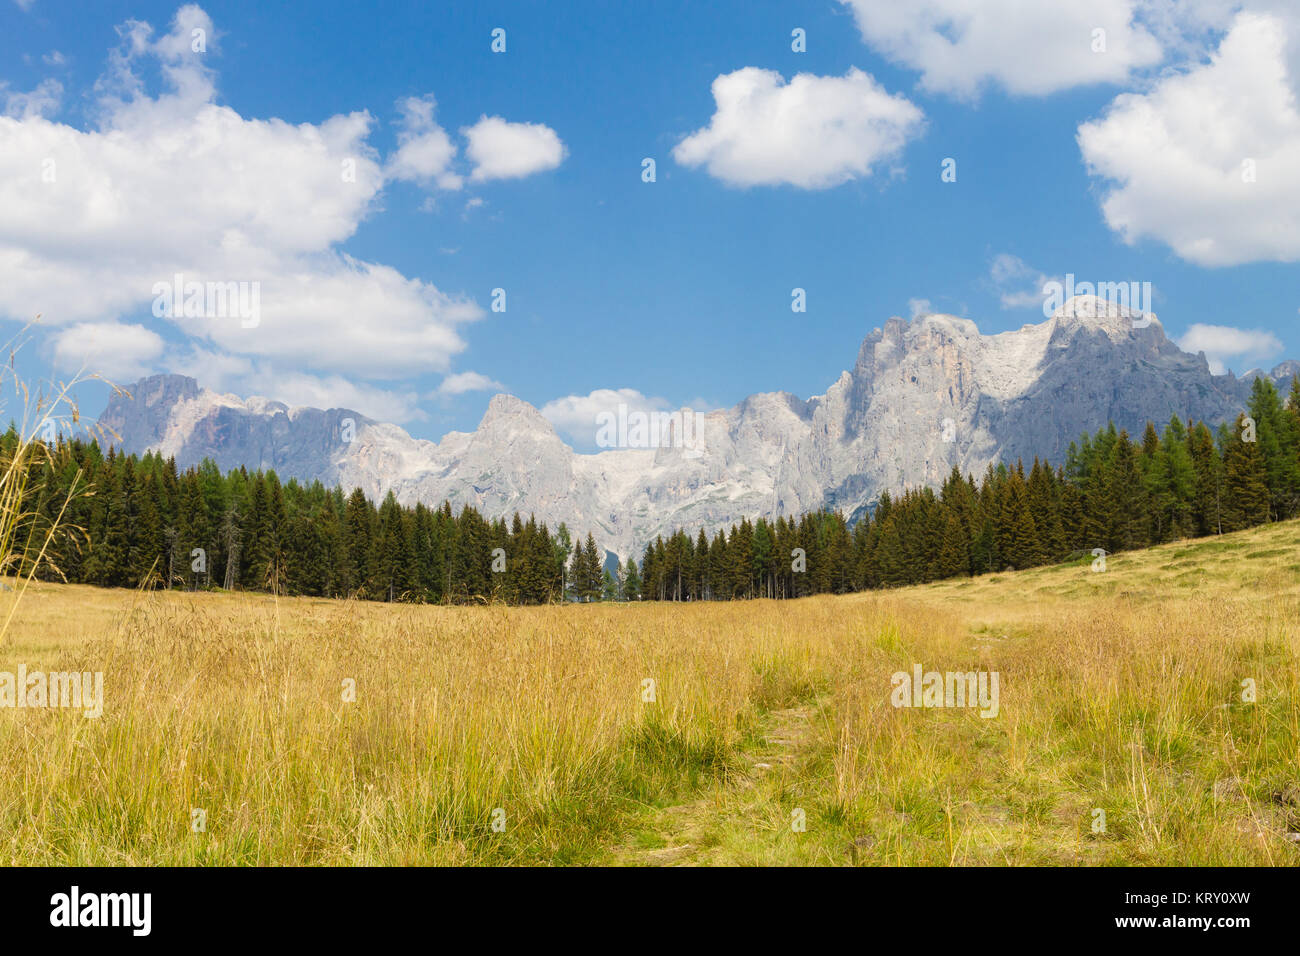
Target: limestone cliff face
(922, 396)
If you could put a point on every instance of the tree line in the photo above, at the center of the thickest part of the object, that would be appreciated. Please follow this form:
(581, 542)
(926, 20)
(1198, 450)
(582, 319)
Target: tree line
(144, 523)
(1112, 493)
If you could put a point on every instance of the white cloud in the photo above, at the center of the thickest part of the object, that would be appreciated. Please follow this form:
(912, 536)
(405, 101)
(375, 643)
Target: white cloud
(425, 152)
(576, 415)
(1222, 343)
(54, 58)
(222, 372)
(1187, 29)
(462, 382)
(176, 184)
(348, 316)
(1027, 47)
(118, 352)
(502, 150)
(813, 132)
(1031, 297)
(1018, 284)
(334, 391)
(44, 100)
(1176, 157)
(1006, 267)
(218, 371)
(919, 307)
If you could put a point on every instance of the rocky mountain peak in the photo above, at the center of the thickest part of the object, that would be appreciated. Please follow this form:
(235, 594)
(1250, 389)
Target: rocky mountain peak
(507, 414)
(1115, 319)
(925, 395)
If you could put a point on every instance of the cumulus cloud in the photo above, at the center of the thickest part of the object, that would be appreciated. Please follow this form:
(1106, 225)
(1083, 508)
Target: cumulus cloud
(1023, 46)
(1223, 344)
(116, 351)
(502, 150)
(334, 391)
(219, 371)
(172, 189)
(1188, 29)
(813, 132)
(245, 377)
(1205, 161)
(425, 152)
(42, 101)
(576, 415)
(166, 188)
(462, 382)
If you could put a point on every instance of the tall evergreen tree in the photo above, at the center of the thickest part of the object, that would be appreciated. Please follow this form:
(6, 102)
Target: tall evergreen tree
(1245, 483)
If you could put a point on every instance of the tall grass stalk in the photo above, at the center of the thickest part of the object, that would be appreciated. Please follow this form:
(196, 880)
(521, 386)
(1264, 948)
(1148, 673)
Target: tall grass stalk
(26, 533)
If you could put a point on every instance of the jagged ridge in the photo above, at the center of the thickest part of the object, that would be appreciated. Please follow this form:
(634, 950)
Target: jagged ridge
(924, 395)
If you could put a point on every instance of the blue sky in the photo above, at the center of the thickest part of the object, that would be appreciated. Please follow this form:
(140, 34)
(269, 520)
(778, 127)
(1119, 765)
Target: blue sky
(523, 171)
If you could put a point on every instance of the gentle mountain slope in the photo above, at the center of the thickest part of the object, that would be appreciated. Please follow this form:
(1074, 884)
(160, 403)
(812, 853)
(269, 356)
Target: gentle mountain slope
(1121, 691)
(1249, 567)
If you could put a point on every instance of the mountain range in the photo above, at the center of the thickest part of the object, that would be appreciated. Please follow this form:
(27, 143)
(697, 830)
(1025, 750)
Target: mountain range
(922, 396)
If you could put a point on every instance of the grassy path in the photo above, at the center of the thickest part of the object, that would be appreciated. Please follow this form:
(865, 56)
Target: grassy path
(738, 820)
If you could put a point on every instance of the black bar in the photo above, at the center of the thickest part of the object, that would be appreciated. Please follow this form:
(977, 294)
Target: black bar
(332, 906)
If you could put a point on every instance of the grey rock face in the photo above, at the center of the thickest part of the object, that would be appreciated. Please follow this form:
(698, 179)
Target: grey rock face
(923, 396)
(173, 415)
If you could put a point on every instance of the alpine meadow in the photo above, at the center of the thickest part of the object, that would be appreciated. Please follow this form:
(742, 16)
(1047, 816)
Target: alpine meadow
(445, 442)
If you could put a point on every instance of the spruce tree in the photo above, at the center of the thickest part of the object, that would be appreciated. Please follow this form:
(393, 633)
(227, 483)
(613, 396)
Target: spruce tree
(592, 571)
(1277, 446)
(632, 580)
(954, 554)
(357, 543)
(1125, 497)
(1246, 491)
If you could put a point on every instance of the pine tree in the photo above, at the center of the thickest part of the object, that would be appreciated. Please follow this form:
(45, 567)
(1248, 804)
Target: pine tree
(591, 579)
(1174, 494)
(1278, 447)
(1020, 544)
(1246, 491)
(1045, 508)
(357, 543)
(257, 535)
(954, 554)
(231, 540)
(195, 532)
(393, 565)
(1207, 498)
(1125, 498)
(632, 580)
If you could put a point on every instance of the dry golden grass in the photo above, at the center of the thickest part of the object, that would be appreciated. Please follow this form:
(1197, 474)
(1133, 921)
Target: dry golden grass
(1120, 691)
